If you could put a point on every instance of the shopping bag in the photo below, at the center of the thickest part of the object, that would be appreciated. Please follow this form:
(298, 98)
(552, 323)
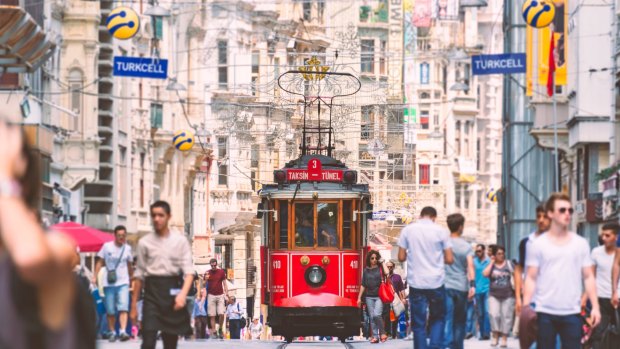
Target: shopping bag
(398, 306)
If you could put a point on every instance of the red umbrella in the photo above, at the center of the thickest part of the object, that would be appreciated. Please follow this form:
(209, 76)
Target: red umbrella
(88, 239)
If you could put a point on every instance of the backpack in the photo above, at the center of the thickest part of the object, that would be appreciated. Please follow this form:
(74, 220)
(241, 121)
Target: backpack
(242, 319)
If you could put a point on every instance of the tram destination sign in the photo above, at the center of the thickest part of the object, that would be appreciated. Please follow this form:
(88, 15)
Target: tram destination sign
(322, 176)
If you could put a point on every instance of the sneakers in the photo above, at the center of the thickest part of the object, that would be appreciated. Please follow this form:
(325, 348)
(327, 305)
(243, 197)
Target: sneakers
(111, 337)
(124, 337)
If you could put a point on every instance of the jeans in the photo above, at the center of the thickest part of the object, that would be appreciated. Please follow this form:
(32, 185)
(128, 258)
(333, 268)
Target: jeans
(482, 305)
(200, 326)
(149, 340)
(567, 326)
(432, 301)
(235, 328)
(116, 299)
(375, 311)
(470, 327)
(455, 320)
(607, 317)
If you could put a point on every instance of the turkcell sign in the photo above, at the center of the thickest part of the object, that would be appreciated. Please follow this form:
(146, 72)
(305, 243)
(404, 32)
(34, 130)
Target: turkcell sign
(140, 67)
(507, 63)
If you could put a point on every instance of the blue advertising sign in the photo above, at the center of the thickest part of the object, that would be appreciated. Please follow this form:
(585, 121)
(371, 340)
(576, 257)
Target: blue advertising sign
(141, 67)
(507, 63)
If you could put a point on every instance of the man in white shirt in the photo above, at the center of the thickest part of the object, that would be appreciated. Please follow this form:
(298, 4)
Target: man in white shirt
(117, 258)
(558, 264)
(426, 247)
(603, 258)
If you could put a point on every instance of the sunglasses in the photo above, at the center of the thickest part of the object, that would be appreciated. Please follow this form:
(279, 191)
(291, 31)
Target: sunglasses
(564, 209)
(478, 251)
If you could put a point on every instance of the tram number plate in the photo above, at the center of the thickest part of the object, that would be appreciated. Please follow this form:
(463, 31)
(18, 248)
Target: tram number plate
(354, 264)
(277, 264)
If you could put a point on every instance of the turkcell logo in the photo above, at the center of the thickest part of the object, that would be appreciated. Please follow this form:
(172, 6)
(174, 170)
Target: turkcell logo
(141, 67)
(507, 63)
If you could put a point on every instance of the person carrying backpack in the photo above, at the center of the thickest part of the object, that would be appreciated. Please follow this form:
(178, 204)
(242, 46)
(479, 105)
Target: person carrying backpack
(234, 313)
(501, 296)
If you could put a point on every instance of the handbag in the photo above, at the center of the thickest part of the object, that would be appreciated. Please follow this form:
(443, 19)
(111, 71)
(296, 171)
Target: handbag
(112, 277)
(397, 306)
(611, 336)
(386, 291)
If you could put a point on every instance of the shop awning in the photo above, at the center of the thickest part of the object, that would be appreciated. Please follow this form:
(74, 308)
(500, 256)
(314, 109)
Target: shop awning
(86, 238)
(24, 45)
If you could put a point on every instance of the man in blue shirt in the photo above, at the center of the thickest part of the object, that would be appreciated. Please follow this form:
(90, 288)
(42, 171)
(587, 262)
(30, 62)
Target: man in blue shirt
(482, 292)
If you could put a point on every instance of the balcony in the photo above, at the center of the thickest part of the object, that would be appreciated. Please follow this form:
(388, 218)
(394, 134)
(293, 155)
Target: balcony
(40, 138)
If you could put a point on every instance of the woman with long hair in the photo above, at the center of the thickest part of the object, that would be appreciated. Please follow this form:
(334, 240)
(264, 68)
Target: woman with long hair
(371, 280)
(40, 302)
(501, 296)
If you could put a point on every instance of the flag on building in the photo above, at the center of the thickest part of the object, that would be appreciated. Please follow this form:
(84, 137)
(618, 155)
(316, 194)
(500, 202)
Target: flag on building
(551, 74)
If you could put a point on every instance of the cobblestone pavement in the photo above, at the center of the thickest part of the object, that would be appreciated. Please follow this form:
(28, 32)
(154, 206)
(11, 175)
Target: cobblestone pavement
(236, 344)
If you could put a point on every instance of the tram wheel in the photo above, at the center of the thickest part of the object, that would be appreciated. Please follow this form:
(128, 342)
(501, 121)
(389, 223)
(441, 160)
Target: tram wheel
(288, 339)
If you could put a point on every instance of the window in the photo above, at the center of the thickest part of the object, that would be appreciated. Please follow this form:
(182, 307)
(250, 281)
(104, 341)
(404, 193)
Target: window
(253, 85)
(76, 83)
(254, 156)
(222, 61)
(424, 119)
(425, 174)
(466, 138)
(283, 221)
(157, 115)
(368, 56)
(424, 73)
(347, 230)
(457, 137)
(222, 147)
(255, 62)
(307, 9)
(158, 27)
(320, 6)
(367, 124)
(327, 220)
(276, 68)
(383, 58)
(304, 225)
(222, 178)
(458, 195)
(46, 163)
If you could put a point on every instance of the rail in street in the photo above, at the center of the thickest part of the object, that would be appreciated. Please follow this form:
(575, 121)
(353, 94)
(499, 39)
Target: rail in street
(236, 344)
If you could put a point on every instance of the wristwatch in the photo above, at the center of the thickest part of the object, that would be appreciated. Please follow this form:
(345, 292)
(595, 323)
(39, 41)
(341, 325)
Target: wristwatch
(10, 189)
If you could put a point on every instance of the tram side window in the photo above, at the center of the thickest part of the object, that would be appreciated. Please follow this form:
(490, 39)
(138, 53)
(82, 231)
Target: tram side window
(283, 224)
(328, 222)
(346, 224)
(304, 225)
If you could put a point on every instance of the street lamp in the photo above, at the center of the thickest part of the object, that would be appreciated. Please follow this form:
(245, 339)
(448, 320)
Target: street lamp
(157, 11)
(474, 3)
(174, 85)
(459, 86)
(436, 134)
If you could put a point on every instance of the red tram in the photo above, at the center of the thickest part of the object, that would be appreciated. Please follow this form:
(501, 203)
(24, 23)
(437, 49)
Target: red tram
(314, 238)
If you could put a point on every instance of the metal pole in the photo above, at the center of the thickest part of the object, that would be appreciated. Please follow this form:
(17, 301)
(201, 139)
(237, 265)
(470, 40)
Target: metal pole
(556, 180)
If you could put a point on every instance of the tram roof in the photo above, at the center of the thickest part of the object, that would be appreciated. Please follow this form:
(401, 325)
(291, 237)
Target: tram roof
(326, 161)
(325, 190)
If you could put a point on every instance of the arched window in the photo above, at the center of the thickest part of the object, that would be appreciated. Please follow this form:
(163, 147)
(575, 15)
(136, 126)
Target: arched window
(76, 83)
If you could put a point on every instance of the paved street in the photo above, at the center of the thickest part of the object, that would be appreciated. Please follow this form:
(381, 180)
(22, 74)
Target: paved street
(213, 344)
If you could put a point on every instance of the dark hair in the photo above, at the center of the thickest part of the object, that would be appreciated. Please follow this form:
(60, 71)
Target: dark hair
(119, 228)
(481, 246)
(370, 254)
(212, 260)
(613, 226)
(498, 248)
(455, 222)
(540, 208)
(161, 204)
(550, 205)
(428, 211)
(493, 249)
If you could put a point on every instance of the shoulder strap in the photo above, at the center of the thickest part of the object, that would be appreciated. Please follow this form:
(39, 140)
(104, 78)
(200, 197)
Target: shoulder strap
(120, 256)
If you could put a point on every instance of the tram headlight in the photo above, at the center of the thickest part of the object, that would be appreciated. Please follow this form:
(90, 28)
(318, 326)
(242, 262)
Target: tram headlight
(315, 276)
(350, 177)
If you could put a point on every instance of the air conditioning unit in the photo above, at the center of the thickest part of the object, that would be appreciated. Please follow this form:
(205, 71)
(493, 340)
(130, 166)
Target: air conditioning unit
(147, 27)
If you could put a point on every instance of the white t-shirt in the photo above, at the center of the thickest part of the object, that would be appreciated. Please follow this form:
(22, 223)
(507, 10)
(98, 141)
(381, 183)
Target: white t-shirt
(111, 253)
(603, 263)
(560, 273)
(425, 243)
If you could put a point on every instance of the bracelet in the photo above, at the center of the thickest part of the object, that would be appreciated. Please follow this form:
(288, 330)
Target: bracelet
(472, 284)
(10, 189)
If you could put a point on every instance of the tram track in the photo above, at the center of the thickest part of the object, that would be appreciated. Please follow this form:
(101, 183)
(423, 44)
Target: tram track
(288, 345)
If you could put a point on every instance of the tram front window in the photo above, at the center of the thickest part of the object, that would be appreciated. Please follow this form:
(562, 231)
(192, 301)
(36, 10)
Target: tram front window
(327, 214)
(304, 225)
